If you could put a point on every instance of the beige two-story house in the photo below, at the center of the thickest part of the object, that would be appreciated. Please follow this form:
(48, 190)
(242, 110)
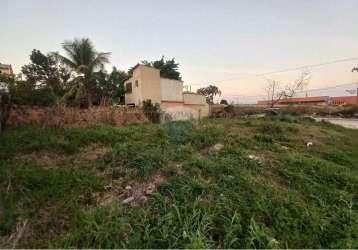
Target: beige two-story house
(145, 83)
(6, 69)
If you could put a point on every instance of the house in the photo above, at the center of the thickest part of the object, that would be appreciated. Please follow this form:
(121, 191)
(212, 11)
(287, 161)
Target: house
(6, 69)
(315, 100)
(145, 83)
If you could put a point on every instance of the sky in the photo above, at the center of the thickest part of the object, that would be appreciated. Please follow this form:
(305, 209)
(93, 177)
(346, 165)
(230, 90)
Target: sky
(211, 40)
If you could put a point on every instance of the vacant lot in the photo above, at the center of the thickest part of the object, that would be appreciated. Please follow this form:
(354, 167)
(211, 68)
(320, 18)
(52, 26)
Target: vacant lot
(223, 183)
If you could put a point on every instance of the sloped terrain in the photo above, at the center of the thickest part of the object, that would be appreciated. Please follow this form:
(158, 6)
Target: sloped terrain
(280, 182)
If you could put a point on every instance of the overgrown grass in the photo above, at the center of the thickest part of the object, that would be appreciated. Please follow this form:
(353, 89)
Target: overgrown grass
(262, 188)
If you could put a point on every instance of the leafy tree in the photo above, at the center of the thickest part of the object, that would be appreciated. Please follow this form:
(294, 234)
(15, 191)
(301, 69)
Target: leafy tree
(8, 80)
(168, 68)
(46, 71)
(223, 101)
(115, 87)
(209, 92)
(109, 87)
(85, 61)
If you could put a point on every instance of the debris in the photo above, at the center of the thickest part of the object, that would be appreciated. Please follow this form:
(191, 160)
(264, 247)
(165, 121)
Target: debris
(180, 170)
(128, 187)
(218, 146)
(255, 158)
(17, 235)
(309, 144)
(150, 188)
(143, 198)
(128, 200)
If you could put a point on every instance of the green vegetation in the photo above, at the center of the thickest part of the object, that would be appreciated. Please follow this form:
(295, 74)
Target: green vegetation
(168, 68)
(220, 183)
(209, 92)
(76, 80)
(151, 111)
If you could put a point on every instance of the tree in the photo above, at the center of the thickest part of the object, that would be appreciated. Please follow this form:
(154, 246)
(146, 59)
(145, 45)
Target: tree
(276, 91)
(46, 71)
(223, 101)
(168, 68)
(209, 92)
(85, 61)
(116, 82)
(110, 87)
(5, 101)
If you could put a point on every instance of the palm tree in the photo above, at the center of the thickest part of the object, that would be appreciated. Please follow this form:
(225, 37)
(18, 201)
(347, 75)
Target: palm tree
(85, 61)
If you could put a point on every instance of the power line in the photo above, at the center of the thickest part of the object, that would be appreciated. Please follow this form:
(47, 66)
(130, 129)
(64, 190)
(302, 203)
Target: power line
(280, 71)
(308, 90)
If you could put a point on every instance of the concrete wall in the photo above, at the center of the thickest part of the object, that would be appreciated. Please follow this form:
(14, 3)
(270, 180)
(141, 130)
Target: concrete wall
(173, 111)
(145, 85)
(172, 90)
(192, 98)
(150, 83)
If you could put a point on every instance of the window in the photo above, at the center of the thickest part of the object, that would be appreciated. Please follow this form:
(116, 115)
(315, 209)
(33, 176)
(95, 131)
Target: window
(136, 83)
(128, 87)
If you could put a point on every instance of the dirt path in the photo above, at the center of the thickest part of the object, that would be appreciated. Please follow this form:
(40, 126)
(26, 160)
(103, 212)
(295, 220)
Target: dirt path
(345, 122)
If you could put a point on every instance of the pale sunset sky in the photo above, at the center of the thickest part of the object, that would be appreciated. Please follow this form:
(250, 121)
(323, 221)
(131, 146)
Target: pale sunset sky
(211, 40)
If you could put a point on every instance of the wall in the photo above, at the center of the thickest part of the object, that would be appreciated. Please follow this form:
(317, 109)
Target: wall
(341, 100)
(6, 69)
(148, 85)
(173, 111)
(73, 117)
(171, 90)
(192, 98)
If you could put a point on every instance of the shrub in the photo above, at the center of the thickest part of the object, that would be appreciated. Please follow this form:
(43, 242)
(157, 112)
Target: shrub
(179, 132)
(151, 111)
(24, 93)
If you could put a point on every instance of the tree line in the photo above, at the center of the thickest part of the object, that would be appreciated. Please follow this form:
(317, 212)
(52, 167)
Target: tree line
(75, 78)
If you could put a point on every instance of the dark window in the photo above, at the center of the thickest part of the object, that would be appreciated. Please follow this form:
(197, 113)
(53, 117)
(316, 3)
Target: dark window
(128, 87)
(136, 83)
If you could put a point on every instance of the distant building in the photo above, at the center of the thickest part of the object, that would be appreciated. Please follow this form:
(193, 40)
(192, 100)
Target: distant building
(316, 100)
(298, 100)
(6, 69)
(343, 100)
(145, 83)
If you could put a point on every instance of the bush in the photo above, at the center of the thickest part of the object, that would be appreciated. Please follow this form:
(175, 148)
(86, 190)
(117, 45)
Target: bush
(151, 111)
(179, 132)
(24, 93)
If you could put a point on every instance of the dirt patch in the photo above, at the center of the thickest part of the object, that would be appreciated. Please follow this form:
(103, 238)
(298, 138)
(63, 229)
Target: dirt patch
(50, 160)
(93, 152)
(212, 149)
(140, 192)
(344, 122)
(258, 159)
(134, 193)
(46, 159)
(271, 179)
